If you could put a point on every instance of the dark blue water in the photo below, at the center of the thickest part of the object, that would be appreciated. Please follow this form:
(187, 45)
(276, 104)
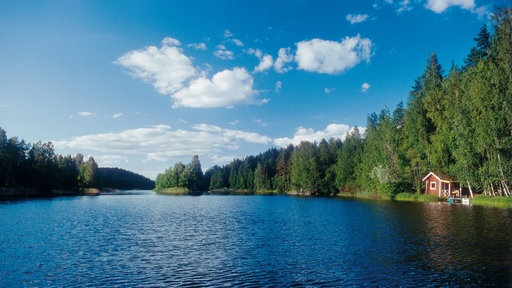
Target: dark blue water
(146, 240)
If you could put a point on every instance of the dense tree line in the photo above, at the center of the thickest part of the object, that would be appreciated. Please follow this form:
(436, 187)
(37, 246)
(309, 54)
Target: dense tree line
(37, 166)
(188, 176)
(456, 123)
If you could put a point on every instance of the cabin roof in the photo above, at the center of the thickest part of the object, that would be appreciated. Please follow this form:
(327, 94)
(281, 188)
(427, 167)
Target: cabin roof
(440, 177)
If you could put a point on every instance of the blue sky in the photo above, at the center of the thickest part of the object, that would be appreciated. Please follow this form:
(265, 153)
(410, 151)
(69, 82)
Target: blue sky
(144, 84)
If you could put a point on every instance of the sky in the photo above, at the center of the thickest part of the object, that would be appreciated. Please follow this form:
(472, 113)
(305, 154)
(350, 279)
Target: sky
(141, 85)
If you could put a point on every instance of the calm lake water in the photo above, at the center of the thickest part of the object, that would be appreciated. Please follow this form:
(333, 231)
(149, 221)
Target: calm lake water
(146, 240)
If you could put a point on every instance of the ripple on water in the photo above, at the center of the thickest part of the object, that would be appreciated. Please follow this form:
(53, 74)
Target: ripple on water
(145, 240)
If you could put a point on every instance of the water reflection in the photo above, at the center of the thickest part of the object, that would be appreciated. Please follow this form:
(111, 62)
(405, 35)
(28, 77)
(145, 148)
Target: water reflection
(463, 243)
(151, 240)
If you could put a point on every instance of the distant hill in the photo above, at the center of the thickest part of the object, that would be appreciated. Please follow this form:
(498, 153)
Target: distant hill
(117, 178)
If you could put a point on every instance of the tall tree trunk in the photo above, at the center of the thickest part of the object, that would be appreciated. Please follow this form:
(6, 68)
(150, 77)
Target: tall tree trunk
(470, 190)
(504, 189)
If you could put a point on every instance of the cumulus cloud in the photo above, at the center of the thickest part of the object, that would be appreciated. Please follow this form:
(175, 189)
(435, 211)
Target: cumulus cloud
(331, 57)
(162, 143)
(309, 134)
(356, 18)
(266, 61)
(171, 73)
(284, 56)
(225, 88)
(117, 115)
(364, 87)
(249, 137)
(198, 46)
(166, 68)
(439, 6)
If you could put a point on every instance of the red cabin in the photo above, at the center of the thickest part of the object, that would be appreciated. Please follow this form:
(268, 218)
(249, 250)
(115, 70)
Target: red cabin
(441, 186)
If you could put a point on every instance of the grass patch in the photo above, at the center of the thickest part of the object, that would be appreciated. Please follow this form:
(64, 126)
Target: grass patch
(362, 195)
(498, 201)
(173, 191)
(416, 197)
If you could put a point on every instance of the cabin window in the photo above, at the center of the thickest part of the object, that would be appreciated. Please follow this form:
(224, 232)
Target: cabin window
(432, 185)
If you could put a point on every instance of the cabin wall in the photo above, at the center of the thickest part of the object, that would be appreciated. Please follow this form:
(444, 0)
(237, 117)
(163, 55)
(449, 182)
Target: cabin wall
(430, 189)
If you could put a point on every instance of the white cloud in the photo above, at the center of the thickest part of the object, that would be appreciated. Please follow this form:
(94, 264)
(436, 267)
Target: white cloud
(279, 86)
(238, 42)
(249, 137)
(364, 87)
(260, 122)
(198, 46)
(228, 34)
(329, 90)
(85, 114)
(404, 6)
(284, 56)
(331, 57)
(225, 88)
(309, 134)
(117, 115)
(266, 61)
(162, 143)
(166, 68)
(223, 53)
(356, 18)
(439, 6)
(110, 160)
(169, 41)
(255, 52)
(171, 72)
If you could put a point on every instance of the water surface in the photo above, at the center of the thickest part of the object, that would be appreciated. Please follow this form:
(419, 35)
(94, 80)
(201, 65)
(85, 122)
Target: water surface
(146, 240)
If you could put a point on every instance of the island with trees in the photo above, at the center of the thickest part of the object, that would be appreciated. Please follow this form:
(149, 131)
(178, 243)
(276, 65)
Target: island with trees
(36, 170)
(456, 122)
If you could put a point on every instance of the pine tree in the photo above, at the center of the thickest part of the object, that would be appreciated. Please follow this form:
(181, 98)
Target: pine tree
(348, 158)
(481, 50)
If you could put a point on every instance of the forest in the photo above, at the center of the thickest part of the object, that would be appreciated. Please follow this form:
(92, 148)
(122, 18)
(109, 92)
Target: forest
(38, 167)
(456, 122)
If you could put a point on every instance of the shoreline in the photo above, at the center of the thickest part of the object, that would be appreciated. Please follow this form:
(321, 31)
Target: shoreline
(9, 192)
(501, 202)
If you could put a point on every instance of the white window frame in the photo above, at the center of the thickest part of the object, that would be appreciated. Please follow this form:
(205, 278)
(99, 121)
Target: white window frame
(433, 185)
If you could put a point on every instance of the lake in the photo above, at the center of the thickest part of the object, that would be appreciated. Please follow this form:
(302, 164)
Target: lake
(146, 240)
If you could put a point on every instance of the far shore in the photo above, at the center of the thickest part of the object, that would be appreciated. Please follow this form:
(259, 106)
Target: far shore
(10, 192)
